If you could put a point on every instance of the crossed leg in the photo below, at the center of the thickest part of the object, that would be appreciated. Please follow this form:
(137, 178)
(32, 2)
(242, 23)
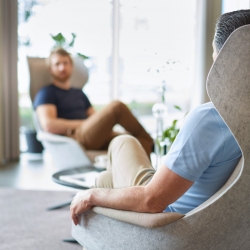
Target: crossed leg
(96, 132)
(128, 164)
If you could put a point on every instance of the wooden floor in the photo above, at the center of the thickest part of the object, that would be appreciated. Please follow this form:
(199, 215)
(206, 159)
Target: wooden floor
(32, 172)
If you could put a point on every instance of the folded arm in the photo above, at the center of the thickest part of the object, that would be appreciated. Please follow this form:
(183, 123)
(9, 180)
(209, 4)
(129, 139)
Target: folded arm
(164, 188)
(47, 116)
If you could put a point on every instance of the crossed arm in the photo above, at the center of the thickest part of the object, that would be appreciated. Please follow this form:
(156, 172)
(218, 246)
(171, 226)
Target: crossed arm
(164, 188)
(47, 115)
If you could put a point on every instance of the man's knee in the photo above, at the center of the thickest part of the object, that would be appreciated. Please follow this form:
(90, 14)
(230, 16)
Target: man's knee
(104, 180)
(120, 140)
(116, 105)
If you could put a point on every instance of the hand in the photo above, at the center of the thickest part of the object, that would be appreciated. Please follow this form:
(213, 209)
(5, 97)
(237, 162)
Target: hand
(80, 204)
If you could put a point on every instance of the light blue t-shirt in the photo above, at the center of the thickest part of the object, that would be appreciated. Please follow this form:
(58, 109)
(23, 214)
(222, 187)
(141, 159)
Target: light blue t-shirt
(204, 152)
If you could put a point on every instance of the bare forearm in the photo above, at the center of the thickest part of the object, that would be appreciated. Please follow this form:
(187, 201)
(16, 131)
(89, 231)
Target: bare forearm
(164, 188)
(49, 121)
(131, 199)
(137, 198)
(60, 126)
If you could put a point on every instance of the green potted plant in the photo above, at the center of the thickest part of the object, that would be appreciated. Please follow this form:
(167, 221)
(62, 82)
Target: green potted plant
(170, 133)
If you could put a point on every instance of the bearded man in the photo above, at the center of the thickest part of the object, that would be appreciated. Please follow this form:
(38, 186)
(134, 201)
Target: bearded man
(64, 110)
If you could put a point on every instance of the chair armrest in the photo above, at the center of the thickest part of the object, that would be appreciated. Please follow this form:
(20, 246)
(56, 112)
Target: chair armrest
(45, 136)
(140, 219)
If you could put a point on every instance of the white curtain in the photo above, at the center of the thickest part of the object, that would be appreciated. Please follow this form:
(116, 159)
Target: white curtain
(9, 119)
(207, 13)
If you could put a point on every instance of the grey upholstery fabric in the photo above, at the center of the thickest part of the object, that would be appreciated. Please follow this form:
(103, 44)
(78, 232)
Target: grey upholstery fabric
(223, 222)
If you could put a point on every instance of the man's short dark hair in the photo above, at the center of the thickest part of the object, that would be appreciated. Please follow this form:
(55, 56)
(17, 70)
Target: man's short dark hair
(59, 51)
(227, 23)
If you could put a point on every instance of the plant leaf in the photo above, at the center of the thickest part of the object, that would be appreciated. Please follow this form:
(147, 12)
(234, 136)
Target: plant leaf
(71, 44)
(177, 107)
(59, 39)
(82, 56)
(174, 123)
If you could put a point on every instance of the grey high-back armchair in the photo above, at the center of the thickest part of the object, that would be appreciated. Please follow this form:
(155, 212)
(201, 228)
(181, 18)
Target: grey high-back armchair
(66, 152)
(222, 222)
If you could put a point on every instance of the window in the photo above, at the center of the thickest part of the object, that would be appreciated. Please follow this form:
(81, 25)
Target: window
(89, 20)
(232, 5)
(155, 42)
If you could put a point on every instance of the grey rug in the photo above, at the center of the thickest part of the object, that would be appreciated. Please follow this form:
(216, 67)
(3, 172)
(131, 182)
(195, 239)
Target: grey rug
(26, 225)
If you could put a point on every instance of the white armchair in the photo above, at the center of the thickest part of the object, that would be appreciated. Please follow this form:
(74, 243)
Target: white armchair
(66, 152)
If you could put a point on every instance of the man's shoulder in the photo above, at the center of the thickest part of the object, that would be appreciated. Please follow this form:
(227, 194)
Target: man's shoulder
(205, 117)
(78, 92)
(201, 112)
(76, 89)
(201, 120)
(49, 87)
(208, 110)
(204, 108)
(45, 95)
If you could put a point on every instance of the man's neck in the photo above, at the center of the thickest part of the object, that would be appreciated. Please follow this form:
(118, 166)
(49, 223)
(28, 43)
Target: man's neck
(62, 85)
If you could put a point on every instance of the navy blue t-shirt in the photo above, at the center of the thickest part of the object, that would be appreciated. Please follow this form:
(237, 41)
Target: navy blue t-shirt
(71, 104)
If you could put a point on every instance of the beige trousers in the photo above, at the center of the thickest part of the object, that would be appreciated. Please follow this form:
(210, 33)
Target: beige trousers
(128, 165)
(96, 132)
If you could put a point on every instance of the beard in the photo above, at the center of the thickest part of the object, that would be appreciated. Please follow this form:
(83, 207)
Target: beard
(62, 78)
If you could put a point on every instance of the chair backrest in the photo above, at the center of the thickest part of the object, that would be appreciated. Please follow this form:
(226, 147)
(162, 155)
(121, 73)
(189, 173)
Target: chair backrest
(228, 86)
(40, 75)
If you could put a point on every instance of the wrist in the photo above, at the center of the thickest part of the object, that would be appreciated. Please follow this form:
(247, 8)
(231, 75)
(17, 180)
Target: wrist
(91, 198)
(69, 132)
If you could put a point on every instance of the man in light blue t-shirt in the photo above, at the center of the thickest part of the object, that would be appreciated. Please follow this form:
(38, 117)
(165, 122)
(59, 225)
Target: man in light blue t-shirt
(200, 161)
(206, 153)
